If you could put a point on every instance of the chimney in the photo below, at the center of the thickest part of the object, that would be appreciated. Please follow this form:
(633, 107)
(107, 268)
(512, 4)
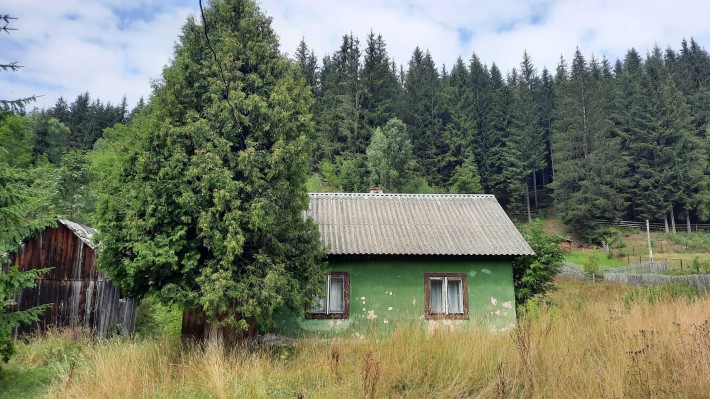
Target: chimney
(376, 190)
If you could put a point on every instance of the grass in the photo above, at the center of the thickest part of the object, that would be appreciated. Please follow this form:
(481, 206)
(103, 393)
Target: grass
(580, 257)
(593, 340)
(17, 381)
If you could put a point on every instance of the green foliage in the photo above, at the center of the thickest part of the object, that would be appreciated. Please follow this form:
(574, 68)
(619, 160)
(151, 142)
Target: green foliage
(465, 179)
(590, 165)
(696, 241)
(533, 275)
(389, 156)
(51, 137)
(579, 257)
(700, 266)
(11, 282)
(73, 197)
(351, 173)
(205, 207)
(419, 185)
(16, 139)
(157, 320)
(591, 265)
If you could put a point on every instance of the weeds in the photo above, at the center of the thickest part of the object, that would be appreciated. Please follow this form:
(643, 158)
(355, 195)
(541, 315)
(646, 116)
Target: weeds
(588, 345)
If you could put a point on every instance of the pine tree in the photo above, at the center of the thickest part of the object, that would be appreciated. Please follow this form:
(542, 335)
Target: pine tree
(206, 210)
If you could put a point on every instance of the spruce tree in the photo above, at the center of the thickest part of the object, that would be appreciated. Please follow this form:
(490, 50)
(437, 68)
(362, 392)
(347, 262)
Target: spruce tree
(206, 209)
(380, 85)
(423, 99)
(587, 157)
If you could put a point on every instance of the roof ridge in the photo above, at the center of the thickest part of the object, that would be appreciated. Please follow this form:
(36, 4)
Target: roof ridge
(401, 195)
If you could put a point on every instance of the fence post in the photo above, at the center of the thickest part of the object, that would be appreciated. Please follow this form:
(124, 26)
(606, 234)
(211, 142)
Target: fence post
(640, 260)
(681, 265)
(628, 259)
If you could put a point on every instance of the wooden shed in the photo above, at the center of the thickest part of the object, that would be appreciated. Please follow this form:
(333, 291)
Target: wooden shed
(81, 296)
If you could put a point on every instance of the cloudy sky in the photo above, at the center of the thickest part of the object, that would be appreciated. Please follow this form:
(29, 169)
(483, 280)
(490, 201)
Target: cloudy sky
(113, 48)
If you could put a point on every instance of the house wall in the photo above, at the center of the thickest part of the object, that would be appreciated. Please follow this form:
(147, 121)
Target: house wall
(80, 296)
(386, 291)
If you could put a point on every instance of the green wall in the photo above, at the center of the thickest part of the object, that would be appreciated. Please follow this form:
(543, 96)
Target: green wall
(389, 290)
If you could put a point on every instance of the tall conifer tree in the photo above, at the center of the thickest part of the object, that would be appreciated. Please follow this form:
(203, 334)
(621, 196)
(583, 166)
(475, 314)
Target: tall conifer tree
(206, 211)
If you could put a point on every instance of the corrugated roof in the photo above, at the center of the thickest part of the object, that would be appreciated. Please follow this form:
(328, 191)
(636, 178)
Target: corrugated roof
(85, 233)
(415, 224)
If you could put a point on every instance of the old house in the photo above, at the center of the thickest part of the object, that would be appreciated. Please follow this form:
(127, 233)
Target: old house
(439, 260)
(80, 295)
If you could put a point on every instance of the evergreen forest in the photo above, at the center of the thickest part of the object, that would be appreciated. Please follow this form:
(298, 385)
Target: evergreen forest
(593, 139)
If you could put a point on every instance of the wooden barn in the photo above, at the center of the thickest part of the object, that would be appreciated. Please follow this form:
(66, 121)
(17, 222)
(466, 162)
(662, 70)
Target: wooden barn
(80, 295)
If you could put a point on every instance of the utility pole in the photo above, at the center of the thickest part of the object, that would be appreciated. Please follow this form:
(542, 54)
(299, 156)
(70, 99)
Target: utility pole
(648, 236)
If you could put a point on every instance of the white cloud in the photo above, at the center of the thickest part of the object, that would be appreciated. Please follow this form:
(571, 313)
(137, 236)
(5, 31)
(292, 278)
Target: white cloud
(113, 47)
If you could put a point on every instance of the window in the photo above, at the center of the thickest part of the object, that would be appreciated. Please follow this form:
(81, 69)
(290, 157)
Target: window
(336, 302)
(446, 295)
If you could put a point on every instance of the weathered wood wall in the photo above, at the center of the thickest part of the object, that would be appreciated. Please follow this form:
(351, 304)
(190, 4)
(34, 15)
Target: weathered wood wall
(80, 295)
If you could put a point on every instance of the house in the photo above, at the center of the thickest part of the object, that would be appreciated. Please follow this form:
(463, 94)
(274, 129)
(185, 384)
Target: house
(438, 260)
(80, 295)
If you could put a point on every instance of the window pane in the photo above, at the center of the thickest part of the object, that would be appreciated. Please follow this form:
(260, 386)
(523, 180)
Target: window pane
(436, 296)
(321, 305)
(337, 285)
(453, 288)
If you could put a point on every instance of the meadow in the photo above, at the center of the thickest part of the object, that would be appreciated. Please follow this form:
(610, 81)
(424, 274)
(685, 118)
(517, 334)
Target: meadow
(592, 340)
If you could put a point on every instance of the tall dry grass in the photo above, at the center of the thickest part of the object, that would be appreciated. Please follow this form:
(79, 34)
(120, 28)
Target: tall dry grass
(591, 344)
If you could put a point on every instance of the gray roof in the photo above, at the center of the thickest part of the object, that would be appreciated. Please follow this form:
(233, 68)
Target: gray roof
(85, 233)
(415, 224)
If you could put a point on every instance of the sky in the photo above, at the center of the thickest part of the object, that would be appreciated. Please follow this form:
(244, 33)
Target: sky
(116, 48)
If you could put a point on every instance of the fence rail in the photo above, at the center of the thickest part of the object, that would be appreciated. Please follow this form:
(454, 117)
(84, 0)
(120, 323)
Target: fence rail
(680, 226)
(657, 267)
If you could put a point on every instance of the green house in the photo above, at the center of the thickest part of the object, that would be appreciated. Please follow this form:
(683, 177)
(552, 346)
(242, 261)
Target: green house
(439, 261)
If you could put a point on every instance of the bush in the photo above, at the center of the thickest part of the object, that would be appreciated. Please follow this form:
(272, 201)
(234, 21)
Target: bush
(155, 320)
(533, 275)
(591, 265)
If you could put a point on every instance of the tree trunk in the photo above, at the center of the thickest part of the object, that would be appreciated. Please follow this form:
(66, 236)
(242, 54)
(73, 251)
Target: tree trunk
(535, 189)
(665, 222)
(687, 220)
(527, 200)
(673, 220)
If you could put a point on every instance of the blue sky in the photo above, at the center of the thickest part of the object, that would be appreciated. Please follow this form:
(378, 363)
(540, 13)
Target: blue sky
(113, 48)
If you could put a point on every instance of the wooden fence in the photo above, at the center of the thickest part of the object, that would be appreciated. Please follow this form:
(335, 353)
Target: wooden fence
(658, 267)
(680, 226)
(701, 281)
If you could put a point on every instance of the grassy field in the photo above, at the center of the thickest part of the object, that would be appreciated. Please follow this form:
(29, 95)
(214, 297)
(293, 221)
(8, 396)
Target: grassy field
(594, 341)
(684, 253)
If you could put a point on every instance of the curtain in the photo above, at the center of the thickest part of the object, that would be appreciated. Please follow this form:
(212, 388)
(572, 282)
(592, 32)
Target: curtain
(453, 289)
(336, 295)
(436, 296)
